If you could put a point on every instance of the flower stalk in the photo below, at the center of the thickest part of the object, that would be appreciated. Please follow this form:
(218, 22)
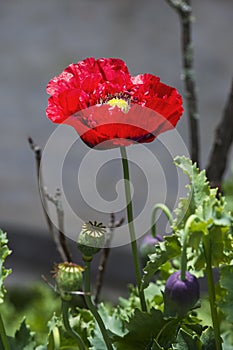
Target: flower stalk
(165, 210)
(211, 290)
(91, 307)
(131, 228)
(72, 333)
(183, 267)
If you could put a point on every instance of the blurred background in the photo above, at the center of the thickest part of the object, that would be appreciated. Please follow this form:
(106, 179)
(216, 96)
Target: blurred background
(38, 40)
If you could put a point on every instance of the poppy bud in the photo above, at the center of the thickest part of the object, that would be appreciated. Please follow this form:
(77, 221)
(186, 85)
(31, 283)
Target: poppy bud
(148, 246)
(68, 277)
(91, 239)
(180, 296)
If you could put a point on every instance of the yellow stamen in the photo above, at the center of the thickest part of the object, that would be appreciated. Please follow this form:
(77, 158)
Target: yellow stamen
(120, 103)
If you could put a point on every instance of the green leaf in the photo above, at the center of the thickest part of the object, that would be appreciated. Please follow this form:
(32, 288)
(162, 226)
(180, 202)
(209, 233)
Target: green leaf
(24, 338)
(54, 333)
(165, 251)
(4, 252)
(211, 219)
(228, 191)
(111, 317)
(208, 339)
(112, 320)
(198, 191)
(227, 340)
(186, 341)
(142, 328)
(201, 189)
(226, 282)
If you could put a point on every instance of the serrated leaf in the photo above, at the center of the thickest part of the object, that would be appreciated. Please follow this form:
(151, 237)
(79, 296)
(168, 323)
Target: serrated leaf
(24, 338)
(114, 325)
(198, 190)
(165, 251)
(142, 328)
(112, 320)
(200, 184)
(208, 339)
(226, 282)
(211, 219)
(4, 252)
(186, 341)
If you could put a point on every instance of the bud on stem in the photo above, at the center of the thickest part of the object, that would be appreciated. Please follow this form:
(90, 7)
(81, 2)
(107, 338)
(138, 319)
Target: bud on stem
(180, 296)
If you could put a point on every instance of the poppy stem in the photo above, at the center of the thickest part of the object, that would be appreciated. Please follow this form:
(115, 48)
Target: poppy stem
(92, 308)
(211, 290)
(186, 232)
(131, 228)
(165, 210)
(69, 329)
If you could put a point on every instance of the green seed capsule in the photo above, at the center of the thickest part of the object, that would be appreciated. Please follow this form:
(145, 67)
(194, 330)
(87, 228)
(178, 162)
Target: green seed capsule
(68, 277)
(91, 239)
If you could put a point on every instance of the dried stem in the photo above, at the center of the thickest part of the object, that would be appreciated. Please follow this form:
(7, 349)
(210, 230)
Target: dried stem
(37, 152)
(184, 10)
(221, 145)
(104, 256)
(61, 243)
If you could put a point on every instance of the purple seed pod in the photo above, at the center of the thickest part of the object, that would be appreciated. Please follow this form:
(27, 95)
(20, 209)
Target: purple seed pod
(148, 246)
(180, 296)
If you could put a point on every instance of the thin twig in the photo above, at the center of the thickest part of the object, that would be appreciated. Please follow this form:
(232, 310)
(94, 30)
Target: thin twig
(61, 242)
(104, 256)
(221, 145)
(37, 152)
(184, 10)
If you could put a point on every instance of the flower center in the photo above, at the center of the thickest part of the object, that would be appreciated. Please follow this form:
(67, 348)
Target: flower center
(120, 103)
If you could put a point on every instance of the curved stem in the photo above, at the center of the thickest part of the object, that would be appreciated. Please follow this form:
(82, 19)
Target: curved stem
(166, 211)
(3, 336)
(211, 290)
(131, 228)
(73, 334)
(92, 308)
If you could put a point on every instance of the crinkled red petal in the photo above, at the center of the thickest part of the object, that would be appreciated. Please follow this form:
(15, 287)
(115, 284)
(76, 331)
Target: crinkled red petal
(81, 91)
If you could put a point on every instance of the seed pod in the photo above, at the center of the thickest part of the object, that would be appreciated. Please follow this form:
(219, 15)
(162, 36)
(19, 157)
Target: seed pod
(91, 239)
(68, 277)
(180, 296)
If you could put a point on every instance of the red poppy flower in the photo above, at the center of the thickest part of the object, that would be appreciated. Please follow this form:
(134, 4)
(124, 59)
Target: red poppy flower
(110, 108)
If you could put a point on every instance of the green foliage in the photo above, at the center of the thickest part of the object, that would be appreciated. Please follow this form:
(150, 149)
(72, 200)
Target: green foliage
(141, 329)
(226, 282)
(203, 224)
(206, 216)
(4, 252)
(208, 339)
(37, 303)
(24, 339)
(164, 251)
(198, 191)
(228, 192)
(187, 341)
